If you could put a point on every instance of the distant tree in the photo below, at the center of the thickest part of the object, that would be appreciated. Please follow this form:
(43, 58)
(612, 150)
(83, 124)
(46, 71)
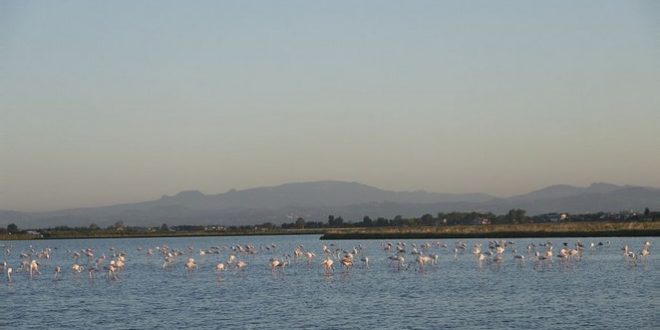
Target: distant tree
(335, 222)
(647, 212)
(427, 220)
(300, 223)
(119, 225)
(367, 222)
(455, 218)
(382, 222)
(397, 221)
(313, 224)
(12, 228)
(515, 216)
(164, 227)
(410, 222)
(93, 227)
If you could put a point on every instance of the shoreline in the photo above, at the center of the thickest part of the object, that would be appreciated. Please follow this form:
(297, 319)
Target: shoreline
(588, 229)
(59, 236)
(585, 229)
(419, 235)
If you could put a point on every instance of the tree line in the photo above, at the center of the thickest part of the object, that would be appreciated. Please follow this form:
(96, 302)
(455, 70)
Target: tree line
(513, 216)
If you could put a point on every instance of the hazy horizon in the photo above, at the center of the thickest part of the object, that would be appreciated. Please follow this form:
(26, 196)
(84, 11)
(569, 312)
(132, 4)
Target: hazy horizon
(207, 193)
(112, 102)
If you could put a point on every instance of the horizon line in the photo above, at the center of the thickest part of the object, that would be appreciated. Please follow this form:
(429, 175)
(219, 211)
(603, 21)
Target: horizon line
(495, 196)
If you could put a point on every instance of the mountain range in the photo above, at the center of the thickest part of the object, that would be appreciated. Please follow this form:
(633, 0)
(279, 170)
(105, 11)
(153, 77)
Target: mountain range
(314, 201)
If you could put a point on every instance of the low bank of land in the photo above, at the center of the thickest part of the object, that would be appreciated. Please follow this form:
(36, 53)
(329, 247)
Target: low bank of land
(142, 234)
(576, 229)
(581, 229)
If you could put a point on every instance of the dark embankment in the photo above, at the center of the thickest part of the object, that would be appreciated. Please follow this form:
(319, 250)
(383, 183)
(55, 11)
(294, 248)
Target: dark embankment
(587, 229)
(146, 234)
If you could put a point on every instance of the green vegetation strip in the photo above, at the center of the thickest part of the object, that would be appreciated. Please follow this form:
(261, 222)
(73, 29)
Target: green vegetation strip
(588, 229)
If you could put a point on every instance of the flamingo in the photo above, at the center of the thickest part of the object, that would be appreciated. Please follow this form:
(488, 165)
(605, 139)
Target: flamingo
(548, 253)
(274, 263)
(625, 249)
(310, 256)
(398, 259)
(365, 260)
(241, 264)
(327, 265)
(168, 260)
(112, 270)
(34, 268)
(347, 261)
(422, 260)
(297, 252)
(539, 256)
(76, 268)
(120, 262)
(190, 264)
(56, 272)
(434, 259)
(25, 265)
(100, 260)
(91, 271)
(476, 249)
(231, 260)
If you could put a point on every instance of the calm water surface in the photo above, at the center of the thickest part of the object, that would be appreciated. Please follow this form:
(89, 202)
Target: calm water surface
(600, 291)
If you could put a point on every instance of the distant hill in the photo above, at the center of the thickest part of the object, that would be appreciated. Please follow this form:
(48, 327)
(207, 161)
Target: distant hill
(561, 191)
(351, 200)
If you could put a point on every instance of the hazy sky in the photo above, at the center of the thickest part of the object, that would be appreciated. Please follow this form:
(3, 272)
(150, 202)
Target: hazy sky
(120, 101)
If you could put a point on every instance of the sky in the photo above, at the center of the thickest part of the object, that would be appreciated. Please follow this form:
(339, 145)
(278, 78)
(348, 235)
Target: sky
(103, 102)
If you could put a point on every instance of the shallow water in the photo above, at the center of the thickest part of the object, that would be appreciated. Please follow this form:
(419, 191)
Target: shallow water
(601, 290)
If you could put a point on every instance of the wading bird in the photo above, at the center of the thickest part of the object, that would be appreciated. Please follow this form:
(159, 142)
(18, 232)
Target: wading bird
(327, 265)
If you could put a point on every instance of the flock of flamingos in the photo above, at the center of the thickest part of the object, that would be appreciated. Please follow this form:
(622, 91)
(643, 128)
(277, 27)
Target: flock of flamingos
(399, 256)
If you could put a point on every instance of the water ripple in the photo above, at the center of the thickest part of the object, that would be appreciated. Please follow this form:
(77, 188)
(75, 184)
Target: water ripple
(600, 291)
